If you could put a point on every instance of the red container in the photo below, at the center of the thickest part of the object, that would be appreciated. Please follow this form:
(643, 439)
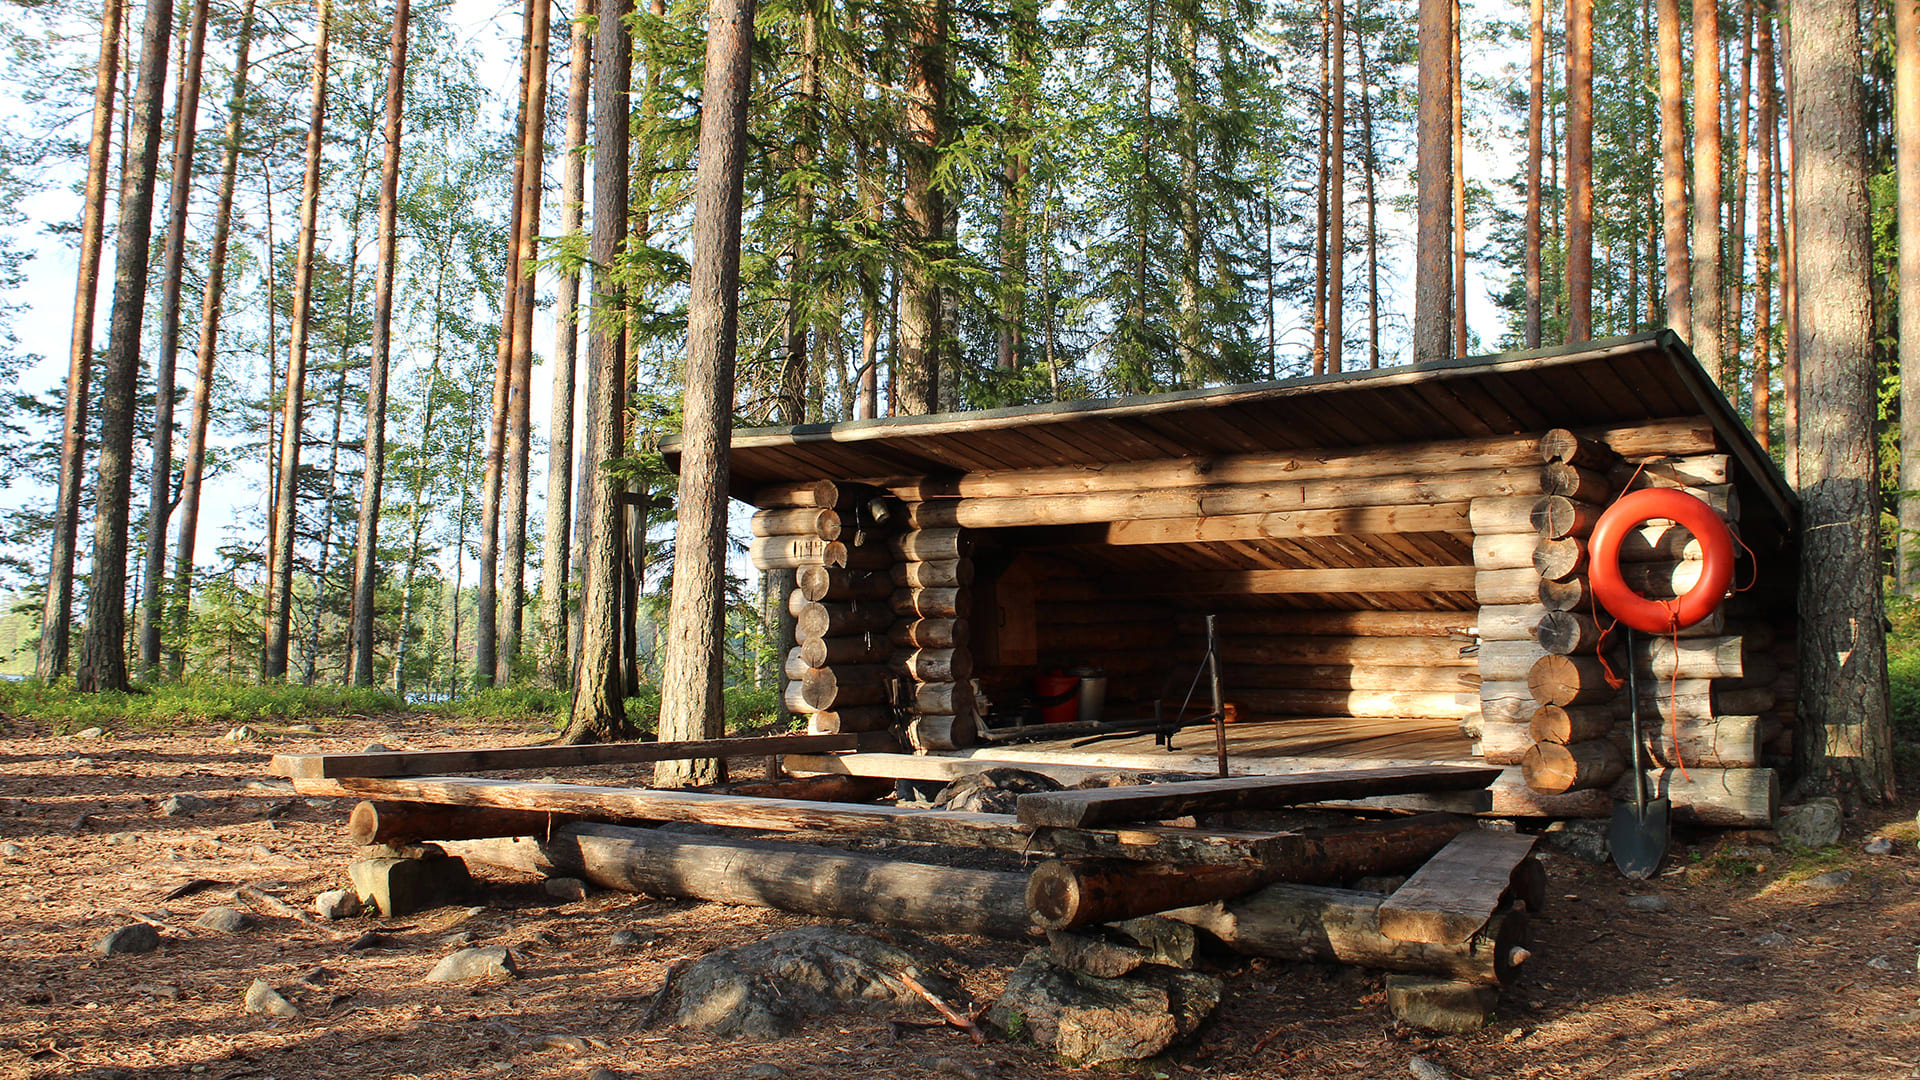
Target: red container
(1058, 697)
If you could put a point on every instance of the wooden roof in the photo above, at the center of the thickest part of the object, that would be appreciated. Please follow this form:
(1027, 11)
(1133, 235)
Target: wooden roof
(1608, 382)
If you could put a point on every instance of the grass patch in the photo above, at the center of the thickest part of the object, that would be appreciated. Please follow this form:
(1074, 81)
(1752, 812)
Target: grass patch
(66, 710)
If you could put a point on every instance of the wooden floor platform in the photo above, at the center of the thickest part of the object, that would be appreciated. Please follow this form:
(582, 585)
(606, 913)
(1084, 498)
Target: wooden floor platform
(1376, 738)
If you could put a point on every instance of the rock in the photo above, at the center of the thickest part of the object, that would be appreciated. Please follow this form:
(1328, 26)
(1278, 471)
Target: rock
(1829, 881)
(1814, 823)
(224, 919)
(767, 989)
(572, 1044)
(632, 939)
(265, 1000)
(764, 1070)
(1422, 1069)
(377, 748)
(336, 904)
(993, 791)
(137, 938)
(1881, 963)
(1585, 839)
(90, 733)
(183, 805)
(1652, 902)
(1172, 944)
(303, 729)
(565, 888)
(1090, 1020)
(371, 939)
(1772, 940)
(1879, 845)
(1093, 955)
(406, 886)
(459, 940)
(1441, 1004)
(12, 850)
(602, 1073)
(475, 965)
(243, 733)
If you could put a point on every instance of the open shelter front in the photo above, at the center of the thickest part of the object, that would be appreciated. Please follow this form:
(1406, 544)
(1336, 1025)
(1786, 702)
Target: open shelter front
(1394, 561)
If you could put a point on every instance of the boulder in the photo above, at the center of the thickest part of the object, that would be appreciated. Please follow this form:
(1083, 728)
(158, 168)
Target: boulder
(137, 938)
(992, 791)
(224, 919)
(767, 989)
(266, 1001)
(475, 965)
(1585, 839)
(1814, 823)
(1090, 1020)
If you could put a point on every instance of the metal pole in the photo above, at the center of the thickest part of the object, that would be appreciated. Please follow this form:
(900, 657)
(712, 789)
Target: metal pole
(1219, 706)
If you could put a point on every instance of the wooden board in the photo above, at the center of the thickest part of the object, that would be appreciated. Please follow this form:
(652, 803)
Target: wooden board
(1156, 802)
(1450, 898)
(1157, 843)
(442, 762)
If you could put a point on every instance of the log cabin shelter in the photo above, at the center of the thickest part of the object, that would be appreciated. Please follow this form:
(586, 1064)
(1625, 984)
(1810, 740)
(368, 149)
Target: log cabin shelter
(1394, 561)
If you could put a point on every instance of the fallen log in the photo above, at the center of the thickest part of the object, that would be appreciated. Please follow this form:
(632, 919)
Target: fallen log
(401, 823)
(443, 762)
(758, 873)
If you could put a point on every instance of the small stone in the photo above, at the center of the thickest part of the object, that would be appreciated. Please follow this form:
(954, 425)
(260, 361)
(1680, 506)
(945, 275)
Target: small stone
(572, 1044)
(1773, 940)
(1814, 823)
(1422, 1069)
(265, 1000)
(632, 939)
(1829, 881)
(183, 805)
(565, 888)
(269, 785)
(91, 733)
(137, 938)
(224, 919)
(12, 850)
(1879, 845)
(459, 940)
(1651, 902)
(1586, 839)
(602, 1073)
(303, 729)
(1881, 963)
(1441, 1004)
(336, 904)
(474, 965)
(377, 748)
(763, 1070)
(371, 939)
(243, 733)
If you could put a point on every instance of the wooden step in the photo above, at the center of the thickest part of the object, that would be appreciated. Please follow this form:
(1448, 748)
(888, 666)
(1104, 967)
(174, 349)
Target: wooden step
(1450, 898)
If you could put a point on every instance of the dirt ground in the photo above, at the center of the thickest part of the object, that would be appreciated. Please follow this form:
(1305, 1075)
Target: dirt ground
(1753, 972)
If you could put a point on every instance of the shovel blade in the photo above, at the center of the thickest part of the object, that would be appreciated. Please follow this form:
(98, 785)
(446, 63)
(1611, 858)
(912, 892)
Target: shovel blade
(1639, 837)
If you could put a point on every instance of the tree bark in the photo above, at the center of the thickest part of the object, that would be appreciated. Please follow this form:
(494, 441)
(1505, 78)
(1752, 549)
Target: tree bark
(366, 558)
(1706, 186)
(287, 489)
(1763, 249)
(194, 467)
(1321, 106)
(1536, 106)
(1906, 109)
(1459, 188)
(1846, 744)
(1734, 277)
(1337, 195)
(1673, 175)
(51, 660)
(1433, 275)
(690, 686)
(917, 367)
(103, 658)
(1580, 170)
(1368, 163)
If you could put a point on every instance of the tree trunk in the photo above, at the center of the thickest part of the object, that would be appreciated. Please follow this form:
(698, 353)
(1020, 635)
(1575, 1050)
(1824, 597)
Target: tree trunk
(690, 686)
(51, 661)
(416, 513)
(1734, 277)
(1706, 186)
(556, 570)
(917, 368)
(194, 467)
(366, 559)
(1194, 363)
(1016, 208)
(599, 692)
(1766, 191)
(1433, 277)
(1337, 196)
(103, 658)
(1536, 105)
(1373, 204)
(1580, 170)
(186, 113)
(287, 489)
(1320, 206)
(1906, 108)
(1788, 199)
(1673, 175)
(1846, 744)
(1459, 189)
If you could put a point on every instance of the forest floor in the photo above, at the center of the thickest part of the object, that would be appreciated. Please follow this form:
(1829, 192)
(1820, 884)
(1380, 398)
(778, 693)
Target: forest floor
(1753, 971)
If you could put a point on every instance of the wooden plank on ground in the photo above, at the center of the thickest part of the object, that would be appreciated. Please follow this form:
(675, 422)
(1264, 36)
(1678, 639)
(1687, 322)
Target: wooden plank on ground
(1450, 898)
(1214, 847)
(443, 762)
(1157, 802)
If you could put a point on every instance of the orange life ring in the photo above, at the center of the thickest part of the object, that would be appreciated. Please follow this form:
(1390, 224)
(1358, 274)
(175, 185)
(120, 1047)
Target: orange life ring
(1660, 616)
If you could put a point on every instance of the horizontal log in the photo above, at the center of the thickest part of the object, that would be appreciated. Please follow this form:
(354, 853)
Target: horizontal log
(841, 620)
(812, 493)
(1570, 680)
(1568, 595)
(871, 647)
(1574, 482)
(1726, 657)
(1572, 723)
(1558, 560)
(1504, 742)
(1557, 516)
(1370, 579)
(1260, 498)
(1508, 702)
(948, 573)
(796, 666)
(1361, 624)
(1503, 551)
(760, 873)
(931, 544)
(1315, 923)
(1658, 438)
(936, 731)
(1456, 893)
(1694, 470)
(1342, 677)
(1664, 542)
(929, 633)
(1565, 633)
(1502, 514)
(1384, 651)
(1557, 768)
(931, 603)
(1509, 622)
(832, 583)
(442, 762)
(1506, 587)
(846, 685)
(797, 521)
(793, 552)
(1153, 802)
(1508, 661)
(859, 718)
(1721, 742)
(1266, 467)
(1292, 524)
(933, 665)
(402, 823)
(828, 787)
(944, 699)
(1701, 699)
(1561, 444)
(797, 602)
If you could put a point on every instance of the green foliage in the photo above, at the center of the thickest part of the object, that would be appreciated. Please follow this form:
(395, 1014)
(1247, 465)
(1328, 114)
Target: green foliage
(1903, 667)
(516, 704)
(197, 701)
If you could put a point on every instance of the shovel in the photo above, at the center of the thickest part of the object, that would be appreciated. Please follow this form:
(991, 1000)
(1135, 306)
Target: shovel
(1640, 828)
